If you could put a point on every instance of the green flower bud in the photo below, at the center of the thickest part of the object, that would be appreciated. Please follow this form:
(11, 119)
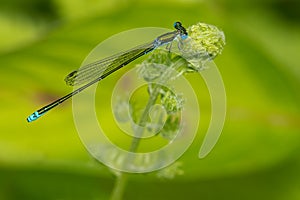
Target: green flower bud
(172, 102)
(206, 39)
(155, 65)
(204, 43)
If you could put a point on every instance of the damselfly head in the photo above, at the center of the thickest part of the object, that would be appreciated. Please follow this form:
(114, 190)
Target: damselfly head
(182, 31)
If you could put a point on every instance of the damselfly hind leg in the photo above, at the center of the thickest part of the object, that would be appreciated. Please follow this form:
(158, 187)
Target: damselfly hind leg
(169, 46)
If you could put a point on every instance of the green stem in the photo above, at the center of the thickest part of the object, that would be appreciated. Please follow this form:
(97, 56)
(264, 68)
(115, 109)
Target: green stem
(136, 140)
(119, 187)
(178, 62)
(122, 179)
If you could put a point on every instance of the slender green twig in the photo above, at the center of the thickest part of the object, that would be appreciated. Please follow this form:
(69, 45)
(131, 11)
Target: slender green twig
(119, 187)
(123, 177)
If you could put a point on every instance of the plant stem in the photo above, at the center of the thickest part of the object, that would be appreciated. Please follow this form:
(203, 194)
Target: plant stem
(122, 179)
(119, 187)
(136, 140)
(165, 77)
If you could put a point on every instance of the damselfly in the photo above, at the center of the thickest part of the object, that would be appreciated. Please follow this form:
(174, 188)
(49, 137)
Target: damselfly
(96, 71)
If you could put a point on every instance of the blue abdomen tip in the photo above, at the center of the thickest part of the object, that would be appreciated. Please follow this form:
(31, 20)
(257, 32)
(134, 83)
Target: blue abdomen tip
(33, 116)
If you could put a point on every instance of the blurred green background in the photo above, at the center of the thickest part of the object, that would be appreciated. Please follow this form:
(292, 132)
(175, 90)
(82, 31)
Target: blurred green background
(257, 156)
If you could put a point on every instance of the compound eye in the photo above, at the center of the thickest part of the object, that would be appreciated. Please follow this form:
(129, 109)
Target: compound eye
(177, 25)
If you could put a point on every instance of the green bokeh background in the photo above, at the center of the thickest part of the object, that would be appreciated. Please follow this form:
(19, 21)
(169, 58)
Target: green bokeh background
(257, 156)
